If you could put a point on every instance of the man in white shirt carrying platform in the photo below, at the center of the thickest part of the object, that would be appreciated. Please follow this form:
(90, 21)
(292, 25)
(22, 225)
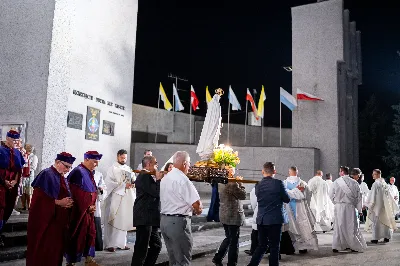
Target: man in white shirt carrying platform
(179, 199)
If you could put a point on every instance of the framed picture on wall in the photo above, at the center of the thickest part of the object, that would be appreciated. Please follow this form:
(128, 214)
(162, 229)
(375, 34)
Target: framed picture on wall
(92, 124)
(108, 128)
(74, 120)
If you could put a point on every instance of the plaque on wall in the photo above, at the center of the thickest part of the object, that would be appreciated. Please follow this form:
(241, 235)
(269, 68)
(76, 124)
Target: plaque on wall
(92, 124)
(74, 120)
(108, 128)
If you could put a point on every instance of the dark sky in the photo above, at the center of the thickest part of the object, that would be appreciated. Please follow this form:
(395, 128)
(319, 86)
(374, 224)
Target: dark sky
(222, 43)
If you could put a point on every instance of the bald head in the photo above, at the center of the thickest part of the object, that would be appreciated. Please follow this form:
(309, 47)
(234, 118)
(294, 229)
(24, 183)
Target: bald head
(181, 160)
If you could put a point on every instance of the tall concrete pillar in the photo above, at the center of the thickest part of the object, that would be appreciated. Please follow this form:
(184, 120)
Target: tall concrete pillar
(325, 63)
(57, 59)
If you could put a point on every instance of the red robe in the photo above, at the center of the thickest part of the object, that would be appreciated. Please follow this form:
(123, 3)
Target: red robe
(82, 231)
(47, 223)
(11, 164)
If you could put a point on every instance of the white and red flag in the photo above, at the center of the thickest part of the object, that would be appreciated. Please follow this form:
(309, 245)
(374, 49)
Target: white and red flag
(301, 95)
(253, 104)
(193, 99)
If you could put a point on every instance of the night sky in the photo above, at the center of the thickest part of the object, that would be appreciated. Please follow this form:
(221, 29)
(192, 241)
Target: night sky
(222, 43)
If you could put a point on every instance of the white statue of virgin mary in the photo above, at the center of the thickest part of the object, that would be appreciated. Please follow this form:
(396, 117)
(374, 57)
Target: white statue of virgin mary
(211, 129)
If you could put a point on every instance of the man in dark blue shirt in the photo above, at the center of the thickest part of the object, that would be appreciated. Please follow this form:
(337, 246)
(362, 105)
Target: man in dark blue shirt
(271, 195)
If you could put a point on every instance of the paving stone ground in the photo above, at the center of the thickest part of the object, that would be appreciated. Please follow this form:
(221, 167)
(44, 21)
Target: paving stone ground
(208, 241)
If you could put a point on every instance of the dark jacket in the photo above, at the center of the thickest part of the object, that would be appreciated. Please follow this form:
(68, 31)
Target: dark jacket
(146, 210)
(271, 194)
(231, 207)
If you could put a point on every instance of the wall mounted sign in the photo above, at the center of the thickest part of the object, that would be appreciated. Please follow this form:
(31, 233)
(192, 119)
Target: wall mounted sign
(92, 124)
(74, 120)
(97, 99)
(108, 128)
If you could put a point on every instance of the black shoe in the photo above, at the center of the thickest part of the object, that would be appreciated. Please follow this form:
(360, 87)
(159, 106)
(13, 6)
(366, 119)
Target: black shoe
(303, 251)
(323, 232)
(1, 242)
(217, 263)
(374, 241)
(335, 251)
(248, 252)
(354, 250)
(386, 240)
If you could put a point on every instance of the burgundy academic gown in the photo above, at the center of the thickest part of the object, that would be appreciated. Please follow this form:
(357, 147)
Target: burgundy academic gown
(47, 222)
(11, 164)
(82, 231)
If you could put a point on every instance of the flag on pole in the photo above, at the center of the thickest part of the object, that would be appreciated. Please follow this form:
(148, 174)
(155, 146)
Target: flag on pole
(194, 100)
(167, 104)
(301, 95)
(208, 96)
(178, 103)
(263, 97)
(253, 104)
(288, 100)
(233, 100)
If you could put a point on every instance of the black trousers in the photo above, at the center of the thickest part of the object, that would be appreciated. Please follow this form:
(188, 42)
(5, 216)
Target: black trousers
(99, 234)
(254, 241)
(231, 243)
(147, 246)
(268, 236)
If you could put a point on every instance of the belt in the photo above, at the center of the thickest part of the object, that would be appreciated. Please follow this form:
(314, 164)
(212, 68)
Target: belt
(177, 215)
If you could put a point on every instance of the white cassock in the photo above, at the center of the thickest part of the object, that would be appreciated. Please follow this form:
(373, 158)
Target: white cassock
(329, 182)
(319, 203)
(118, 206)
(98, 178)
(394, 191)
(381, 210)
(364, 191)
(254, 206)
(346, 195)
(301, 219)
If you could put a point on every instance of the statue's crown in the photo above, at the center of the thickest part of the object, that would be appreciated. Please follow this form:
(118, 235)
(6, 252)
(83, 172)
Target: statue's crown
(219, 91)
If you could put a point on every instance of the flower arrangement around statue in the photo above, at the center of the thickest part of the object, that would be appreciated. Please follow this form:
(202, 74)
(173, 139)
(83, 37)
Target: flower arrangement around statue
(224, 156)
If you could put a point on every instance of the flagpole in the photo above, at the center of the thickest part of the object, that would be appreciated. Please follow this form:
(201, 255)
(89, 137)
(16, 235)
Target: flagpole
(190, 118)
(157, 115)
(280, 123)
(173, 109)
(262, 130)
(229, 112)
(245, 125)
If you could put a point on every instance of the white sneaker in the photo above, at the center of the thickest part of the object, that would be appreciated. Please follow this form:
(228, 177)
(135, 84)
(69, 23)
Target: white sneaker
(14, 212)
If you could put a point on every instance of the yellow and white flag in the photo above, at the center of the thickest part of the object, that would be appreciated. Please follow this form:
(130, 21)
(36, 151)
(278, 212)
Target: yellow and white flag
(208, 95)
(260, 109)
(163, 96)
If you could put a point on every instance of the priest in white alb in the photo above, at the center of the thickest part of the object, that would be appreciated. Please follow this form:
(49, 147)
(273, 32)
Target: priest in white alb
(347, 197)
(118, 206)
(319, 203)
(301, 219)
(394, 191)
(381, 209)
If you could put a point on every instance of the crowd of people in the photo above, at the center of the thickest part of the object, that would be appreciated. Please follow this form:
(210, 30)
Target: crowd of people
(65, 208)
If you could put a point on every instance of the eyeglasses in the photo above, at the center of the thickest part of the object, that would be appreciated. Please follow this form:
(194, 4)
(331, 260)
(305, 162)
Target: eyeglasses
(66, 166)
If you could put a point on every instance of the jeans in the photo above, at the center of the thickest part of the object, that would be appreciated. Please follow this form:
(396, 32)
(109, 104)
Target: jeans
(268, 235)
(147, 246)
(231, 243)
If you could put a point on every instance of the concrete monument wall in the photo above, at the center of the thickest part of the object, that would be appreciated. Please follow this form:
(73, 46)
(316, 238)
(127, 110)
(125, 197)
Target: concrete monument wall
(54, 55)
(318, 48)
(25, 43)
(174, 127)
(251, 159)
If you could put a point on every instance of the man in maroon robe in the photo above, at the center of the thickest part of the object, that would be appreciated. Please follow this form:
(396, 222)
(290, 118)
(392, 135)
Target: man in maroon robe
(49, 214)
(82, 231)
(11, 164)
